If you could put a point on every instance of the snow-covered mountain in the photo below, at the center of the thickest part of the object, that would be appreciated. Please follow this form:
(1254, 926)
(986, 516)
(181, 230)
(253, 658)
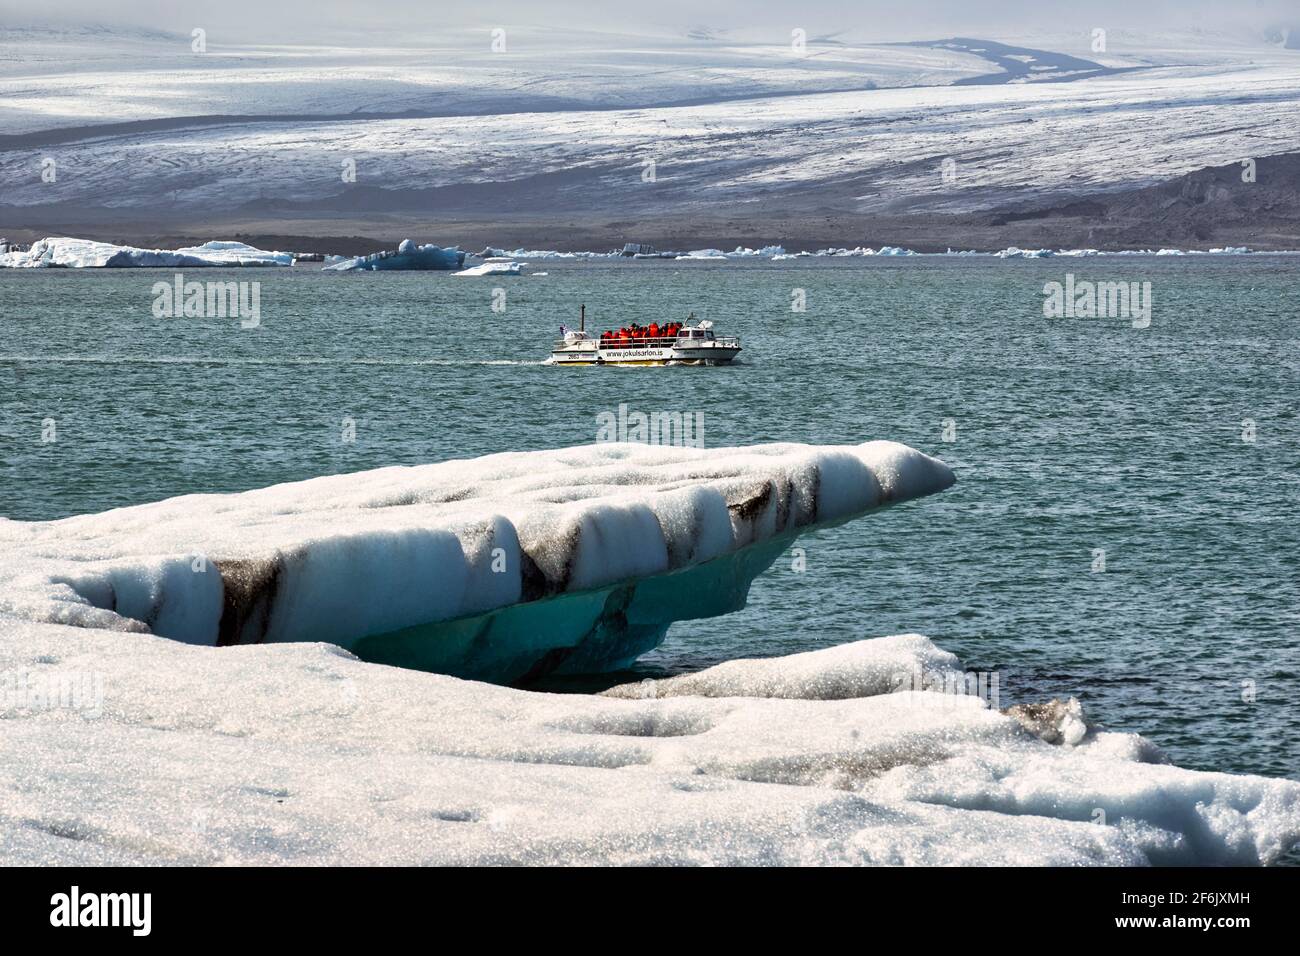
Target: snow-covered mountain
(138, 124)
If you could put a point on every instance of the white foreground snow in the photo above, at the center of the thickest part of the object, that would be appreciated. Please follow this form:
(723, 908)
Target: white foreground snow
(60, 252)
(301, 754)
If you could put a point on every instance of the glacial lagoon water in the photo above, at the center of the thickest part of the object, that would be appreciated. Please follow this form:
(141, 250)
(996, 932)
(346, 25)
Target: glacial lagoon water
(1125, 527)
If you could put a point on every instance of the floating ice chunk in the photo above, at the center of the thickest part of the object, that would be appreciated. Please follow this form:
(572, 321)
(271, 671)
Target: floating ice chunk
(407, 257)
(57, 252)
(510, 268)
(495, 567)
(491, 252)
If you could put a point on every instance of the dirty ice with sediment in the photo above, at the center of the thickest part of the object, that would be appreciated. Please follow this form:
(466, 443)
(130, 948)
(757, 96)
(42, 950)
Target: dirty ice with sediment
(850, 754)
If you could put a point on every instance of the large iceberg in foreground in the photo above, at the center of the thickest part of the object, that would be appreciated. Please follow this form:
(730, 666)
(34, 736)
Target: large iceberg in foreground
(505, 567)
(161, 752)
(63, 253)
(408, 257)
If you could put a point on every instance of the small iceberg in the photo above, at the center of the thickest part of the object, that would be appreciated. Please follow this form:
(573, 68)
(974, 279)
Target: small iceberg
(492, 252)
(511, 268)
(66, 253)
(408, 257)
(1015, 252)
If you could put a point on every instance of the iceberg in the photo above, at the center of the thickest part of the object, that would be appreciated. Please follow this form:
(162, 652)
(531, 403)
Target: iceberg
(1015, 252)
(492, 252)
(63, 253)
(495, 269)
(408, 256)
(504, 568)
(188, 749)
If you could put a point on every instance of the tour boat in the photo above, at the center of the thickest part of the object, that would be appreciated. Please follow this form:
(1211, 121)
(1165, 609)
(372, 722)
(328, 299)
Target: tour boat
(694, 344)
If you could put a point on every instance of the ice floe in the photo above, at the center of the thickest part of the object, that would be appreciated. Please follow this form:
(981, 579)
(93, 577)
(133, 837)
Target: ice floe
(302, 754)
(495, 269)
(492, 252)
(407, 257)
(59, 252)
(504, 567)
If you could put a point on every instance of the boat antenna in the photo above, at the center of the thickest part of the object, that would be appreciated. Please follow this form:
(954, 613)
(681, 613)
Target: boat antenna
(582, 318)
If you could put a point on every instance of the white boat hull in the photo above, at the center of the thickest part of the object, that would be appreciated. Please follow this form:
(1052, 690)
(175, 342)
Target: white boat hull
(588, 353)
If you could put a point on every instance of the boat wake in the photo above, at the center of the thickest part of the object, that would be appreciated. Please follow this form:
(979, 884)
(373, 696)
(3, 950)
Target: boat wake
(224, 360)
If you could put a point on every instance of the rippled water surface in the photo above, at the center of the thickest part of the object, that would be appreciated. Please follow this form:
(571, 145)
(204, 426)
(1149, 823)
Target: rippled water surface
(1070, 436)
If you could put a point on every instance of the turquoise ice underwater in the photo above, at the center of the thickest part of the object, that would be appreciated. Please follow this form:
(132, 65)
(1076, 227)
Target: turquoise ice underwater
(1071, 437)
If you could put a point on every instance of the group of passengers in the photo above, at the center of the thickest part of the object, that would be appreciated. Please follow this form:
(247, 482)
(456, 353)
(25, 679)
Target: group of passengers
(641, 334)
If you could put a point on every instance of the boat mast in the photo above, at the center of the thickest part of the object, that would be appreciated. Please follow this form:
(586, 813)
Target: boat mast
(582, 318)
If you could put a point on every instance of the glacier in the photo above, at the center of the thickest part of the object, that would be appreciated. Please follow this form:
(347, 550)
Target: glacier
(65, 253)
(408, 256)
(504, 568)
(730, 134)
